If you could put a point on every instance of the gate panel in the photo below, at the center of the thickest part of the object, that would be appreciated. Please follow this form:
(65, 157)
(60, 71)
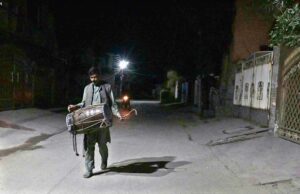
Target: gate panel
(289, 119)
(6, 83)
(15, 83)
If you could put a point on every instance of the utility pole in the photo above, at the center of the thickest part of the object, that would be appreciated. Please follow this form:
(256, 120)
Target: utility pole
(121, 82)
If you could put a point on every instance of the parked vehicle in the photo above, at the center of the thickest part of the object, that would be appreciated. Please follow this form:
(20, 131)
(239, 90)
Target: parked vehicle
(125, 102)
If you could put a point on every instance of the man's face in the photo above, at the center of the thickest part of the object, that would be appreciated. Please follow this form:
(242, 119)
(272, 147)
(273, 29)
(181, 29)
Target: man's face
(95, 78)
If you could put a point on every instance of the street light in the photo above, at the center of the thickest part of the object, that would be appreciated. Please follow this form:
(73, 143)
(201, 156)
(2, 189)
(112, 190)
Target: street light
(122, 65)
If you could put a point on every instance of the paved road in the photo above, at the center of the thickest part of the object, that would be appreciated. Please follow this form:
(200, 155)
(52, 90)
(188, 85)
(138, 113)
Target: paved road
(162, 150)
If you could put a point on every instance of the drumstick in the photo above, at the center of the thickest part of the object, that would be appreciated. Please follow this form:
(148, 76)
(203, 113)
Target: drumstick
(133, 110)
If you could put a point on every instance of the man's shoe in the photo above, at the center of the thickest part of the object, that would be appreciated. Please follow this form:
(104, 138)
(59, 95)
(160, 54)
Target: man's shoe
(104, 165)
(88, 174)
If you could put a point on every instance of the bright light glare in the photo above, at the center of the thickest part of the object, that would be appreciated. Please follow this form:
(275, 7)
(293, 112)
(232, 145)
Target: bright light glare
(125, 98)
(123, 64)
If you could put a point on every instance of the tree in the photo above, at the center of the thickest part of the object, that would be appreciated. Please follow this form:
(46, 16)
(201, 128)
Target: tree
(172, 79)
(286, 30)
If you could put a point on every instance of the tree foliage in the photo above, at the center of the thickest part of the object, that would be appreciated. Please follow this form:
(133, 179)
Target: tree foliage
(280, 5)
(173, 77)
(286, 30)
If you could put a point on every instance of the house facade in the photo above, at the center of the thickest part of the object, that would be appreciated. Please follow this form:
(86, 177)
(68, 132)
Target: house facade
(263, 85)
(28, 55)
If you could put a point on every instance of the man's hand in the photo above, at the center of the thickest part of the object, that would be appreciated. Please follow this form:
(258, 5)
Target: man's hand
(72, 107)
(121, 118)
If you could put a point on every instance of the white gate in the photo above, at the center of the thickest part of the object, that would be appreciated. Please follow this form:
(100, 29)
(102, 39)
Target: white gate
(252, 83)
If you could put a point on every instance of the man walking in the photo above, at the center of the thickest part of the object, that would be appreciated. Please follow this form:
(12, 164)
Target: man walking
(95, 93)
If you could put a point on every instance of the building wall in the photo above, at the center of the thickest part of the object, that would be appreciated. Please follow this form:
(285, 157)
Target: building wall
(257, 116)
(250, 34)
(27, 56)
(250, 30)
(274, 87)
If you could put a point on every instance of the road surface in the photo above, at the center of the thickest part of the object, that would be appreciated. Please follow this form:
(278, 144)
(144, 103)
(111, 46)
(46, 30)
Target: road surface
(162, 150)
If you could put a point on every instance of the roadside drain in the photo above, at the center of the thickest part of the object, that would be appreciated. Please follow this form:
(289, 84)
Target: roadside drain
(238, 130)
(242, 136)
(275, 183)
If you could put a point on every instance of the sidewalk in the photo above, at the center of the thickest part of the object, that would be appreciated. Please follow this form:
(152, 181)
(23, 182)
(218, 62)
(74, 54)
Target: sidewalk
(258, 157)
(25, 128)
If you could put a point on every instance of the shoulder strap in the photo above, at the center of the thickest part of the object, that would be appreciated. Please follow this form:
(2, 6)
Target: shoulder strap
(107, 91)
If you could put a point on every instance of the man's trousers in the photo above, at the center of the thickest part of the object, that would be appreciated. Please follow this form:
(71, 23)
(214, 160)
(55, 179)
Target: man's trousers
(101, 137)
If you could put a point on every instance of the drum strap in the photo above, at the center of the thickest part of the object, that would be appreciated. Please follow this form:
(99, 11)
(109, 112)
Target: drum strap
(74, 139)
(133, 110)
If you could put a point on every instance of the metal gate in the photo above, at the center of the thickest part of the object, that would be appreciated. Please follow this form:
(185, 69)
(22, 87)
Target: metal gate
(16, 80)
(289, 110)
(6, 83)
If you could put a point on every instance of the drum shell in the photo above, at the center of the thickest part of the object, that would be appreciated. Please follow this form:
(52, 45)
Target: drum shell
(88, 118)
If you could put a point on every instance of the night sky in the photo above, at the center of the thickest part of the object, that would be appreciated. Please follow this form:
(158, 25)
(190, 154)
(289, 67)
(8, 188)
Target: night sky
(191, 38)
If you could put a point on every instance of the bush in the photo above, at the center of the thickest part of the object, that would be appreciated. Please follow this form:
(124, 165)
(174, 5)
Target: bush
(166, 97)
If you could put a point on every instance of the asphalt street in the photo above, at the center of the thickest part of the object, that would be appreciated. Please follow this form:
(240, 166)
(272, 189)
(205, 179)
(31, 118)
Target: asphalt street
(162, 150)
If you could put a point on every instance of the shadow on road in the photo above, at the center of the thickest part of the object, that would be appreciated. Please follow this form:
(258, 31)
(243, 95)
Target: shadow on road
(5, 124)
(156, 166)
(30, 144)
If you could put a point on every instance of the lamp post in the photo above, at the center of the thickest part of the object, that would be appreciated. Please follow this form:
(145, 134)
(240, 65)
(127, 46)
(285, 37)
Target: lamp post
(122, 65)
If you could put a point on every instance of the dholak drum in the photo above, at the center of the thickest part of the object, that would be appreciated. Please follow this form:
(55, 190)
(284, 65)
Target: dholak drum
(90, 117)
